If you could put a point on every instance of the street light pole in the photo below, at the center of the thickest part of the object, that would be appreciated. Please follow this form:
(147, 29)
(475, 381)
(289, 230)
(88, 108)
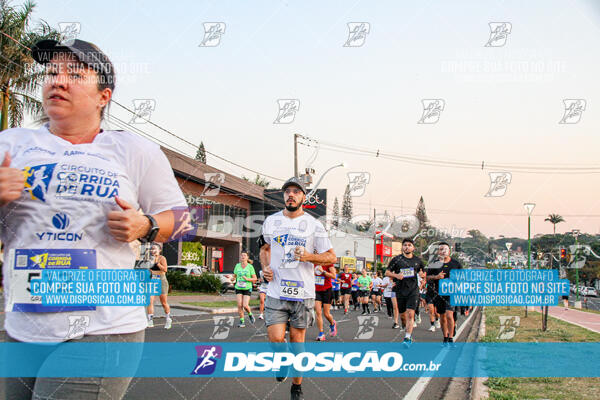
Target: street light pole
(576, 234)
(529, 207)
(508, 246)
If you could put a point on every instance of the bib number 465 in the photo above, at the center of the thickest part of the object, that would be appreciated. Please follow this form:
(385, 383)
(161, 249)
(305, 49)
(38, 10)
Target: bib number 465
(291, 291)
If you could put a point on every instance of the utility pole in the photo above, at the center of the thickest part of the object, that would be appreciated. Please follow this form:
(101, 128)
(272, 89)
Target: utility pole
(296, 154)
(374, 242)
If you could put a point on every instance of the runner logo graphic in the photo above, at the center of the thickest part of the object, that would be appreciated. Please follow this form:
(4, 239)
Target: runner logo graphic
(498, 184)
(37, 179)
(357, 33)
(432, 109)
(142, 110)
(573, 110)
(358, 182)
(499, 32)
(69, 32)
(212, 34)
(281, 240)
(508, 327)
(207, 359)
(366, 326)
(287, 111)
(213, 182)
(222, 327)
(77, 326)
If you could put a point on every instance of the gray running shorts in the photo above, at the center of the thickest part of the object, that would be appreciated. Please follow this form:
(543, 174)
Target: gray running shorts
(281, 311)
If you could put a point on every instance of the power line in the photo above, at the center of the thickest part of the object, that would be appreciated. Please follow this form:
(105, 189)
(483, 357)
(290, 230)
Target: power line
(436, 162)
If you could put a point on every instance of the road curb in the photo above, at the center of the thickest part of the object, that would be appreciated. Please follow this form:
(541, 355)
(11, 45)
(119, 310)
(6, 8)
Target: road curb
(479, 390)
(210, 310)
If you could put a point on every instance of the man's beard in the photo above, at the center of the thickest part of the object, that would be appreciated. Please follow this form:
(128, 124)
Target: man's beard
(291, 208)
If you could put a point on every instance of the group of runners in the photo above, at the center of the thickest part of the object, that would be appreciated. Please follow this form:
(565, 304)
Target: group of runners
(299, 283)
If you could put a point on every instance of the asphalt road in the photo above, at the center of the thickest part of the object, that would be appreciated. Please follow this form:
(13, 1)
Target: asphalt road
(194, 326)
(203, 328)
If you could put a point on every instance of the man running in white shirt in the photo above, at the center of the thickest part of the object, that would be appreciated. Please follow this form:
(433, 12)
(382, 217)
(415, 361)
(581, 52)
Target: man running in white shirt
(292, 242)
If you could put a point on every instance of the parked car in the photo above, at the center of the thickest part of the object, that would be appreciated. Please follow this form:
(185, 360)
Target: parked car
(589, 291)
(226, 282)
(186, 269)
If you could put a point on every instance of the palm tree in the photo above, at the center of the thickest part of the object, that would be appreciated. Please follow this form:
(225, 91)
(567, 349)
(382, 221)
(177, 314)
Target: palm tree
(554, 219)
(19, 76)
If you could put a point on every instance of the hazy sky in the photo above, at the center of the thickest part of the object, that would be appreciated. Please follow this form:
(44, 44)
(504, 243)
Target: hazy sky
(502, 103)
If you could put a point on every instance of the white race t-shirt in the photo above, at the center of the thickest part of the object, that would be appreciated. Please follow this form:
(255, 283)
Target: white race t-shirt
(69, 191)
(387, 291)
(376, 283)
(284, 234)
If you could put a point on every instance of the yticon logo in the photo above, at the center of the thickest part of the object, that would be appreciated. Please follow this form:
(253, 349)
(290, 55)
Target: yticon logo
(60, 221)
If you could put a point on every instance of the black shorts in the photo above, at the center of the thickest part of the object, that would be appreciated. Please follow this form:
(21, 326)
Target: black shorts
(429, 298)
(336, 294)
(345, 291)
(324, 296)
(247, 292)
(565, 297)
(407, 302)
(364, 293)
(375, 293)
(442, 304)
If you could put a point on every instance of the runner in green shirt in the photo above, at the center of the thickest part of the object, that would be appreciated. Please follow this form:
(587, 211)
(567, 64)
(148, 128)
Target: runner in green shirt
(365, 283)
(244, 276)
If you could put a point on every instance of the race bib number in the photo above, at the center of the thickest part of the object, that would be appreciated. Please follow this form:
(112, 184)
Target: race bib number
(242, 284)
(345, 285)
(26, 265)
(407, 272)
(319, 280)
(291, 290)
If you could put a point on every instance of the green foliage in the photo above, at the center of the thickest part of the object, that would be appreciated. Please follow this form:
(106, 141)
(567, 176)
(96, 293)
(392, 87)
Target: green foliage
(201, 153)
(19, 81)
(206, 282)
(347, 205)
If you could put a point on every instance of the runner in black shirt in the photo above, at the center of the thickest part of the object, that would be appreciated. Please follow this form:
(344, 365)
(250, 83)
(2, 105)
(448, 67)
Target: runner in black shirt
(442, 303)
(404, 269)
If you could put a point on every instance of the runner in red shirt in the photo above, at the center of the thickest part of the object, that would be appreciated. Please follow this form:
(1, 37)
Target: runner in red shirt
(323, 296)
(346, 287)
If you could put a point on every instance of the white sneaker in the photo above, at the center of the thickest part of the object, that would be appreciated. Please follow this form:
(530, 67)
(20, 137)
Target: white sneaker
(432, 329)
(150, 323)
(260, 316)
(415, 324)
(437, 324)
(168, 323)
(418, 319)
